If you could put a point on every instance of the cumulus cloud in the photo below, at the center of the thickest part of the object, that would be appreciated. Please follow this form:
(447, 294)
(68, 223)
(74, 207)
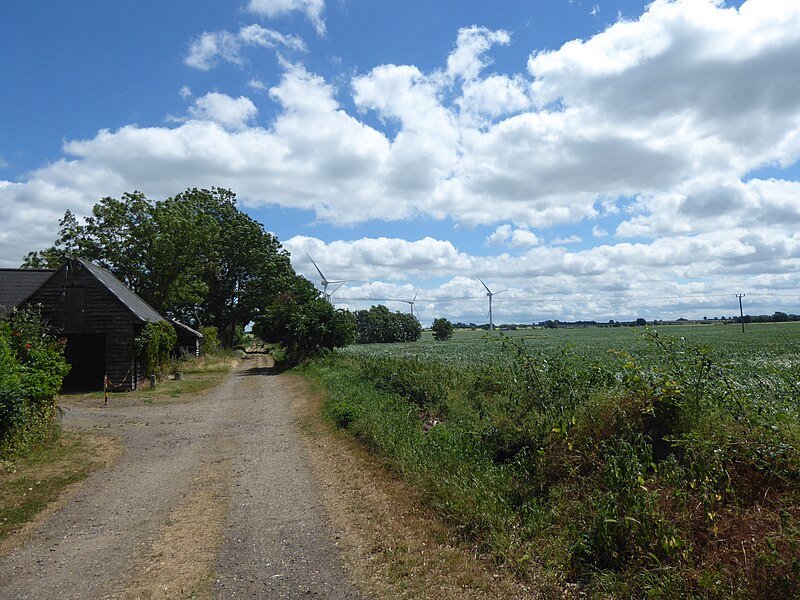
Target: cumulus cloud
(232, 113)
(206, 51)
(505, 235)
(468, 58)
(312, 9)
(611, 281)
(499, 236)
(656, 122)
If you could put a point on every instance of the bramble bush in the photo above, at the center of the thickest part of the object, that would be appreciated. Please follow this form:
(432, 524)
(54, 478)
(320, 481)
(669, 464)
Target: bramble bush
(32, 367)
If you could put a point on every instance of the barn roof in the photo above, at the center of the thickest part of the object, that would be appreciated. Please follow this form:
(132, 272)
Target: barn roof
(186, 328)
(17, 284)
(136, 305)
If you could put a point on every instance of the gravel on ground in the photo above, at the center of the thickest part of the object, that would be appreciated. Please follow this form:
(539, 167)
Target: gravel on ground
(212, 497)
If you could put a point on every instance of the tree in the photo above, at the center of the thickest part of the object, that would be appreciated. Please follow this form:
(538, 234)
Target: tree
(640, 322)
(379, 325)
(195, 256)
(442, 329)
(304, 324)
(410, 328)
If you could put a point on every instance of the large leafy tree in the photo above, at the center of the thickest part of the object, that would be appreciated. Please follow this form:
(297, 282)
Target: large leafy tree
(194, 256)
(442, 329)
(303, 323)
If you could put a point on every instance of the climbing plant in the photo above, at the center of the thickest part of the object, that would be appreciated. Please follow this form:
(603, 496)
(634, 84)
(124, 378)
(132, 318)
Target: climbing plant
(155, 345)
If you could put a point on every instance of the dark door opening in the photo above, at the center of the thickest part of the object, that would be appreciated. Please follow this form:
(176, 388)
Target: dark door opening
(86, 353)
(74, 307)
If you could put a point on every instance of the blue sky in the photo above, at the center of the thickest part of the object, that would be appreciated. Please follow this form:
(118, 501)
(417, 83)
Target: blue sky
(598, 160)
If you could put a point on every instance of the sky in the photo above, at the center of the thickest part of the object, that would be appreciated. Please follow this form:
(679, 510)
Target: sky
(588, 161)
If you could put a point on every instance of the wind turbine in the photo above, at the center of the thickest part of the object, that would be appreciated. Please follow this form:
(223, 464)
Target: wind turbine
(334, 290)
(490, 293)
(410, 302)
(324, 281)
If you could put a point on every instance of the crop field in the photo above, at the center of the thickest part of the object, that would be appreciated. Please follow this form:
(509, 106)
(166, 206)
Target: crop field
(610, 462)
(759, 343)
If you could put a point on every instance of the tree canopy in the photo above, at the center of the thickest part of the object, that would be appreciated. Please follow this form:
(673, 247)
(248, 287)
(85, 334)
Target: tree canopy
(380, 325)
(195, 256)
(304, 324)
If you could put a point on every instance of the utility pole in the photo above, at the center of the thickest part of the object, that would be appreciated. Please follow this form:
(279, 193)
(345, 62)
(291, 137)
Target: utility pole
(741, 312)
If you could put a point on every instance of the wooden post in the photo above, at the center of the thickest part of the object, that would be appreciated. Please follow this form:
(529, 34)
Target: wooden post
(105, 390)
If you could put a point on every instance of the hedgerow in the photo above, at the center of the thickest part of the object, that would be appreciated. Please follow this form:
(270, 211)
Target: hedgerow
(32, 367)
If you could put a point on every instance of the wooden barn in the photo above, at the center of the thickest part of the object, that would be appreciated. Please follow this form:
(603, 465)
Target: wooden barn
(97, 315)
(188, 343)
(17, 284)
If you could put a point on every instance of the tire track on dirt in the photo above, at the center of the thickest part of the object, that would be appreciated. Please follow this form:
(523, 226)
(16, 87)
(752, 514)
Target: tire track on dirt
(218, 484)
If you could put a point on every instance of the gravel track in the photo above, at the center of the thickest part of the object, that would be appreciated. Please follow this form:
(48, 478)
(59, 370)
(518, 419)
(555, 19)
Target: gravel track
(216, 487)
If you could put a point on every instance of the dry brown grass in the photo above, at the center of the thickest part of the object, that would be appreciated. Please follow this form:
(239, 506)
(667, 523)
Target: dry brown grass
(181, 559)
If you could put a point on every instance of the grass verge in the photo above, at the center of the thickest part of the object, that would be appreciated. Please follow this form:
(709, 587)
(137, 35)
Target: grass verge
(199, 375)
(395, 546)
(38, 479)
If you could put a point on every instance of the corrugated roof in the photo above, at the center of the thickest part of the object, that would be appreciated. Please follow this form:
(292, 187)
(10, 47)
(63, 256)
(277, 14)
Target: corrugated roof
(137, 306)
(17, 284)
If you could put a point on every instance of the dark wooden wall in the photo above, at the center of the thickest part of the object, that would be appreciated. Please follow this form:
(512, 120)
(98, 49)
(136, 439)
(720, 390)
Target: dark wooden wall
(73, 301)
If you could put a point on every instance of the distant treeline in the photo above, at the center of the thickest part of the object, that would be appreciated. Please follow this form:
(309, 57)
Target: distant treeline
(776, 317)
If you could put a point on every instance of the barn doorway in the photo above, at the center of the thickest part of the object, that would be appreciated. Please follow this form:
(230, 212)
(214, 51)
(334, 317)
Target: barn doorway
(86, 353)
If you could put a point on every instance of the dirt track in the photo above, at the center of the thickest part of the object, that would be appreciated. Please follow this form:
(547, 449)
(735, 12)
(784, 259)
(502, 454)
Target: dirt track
(212, 497)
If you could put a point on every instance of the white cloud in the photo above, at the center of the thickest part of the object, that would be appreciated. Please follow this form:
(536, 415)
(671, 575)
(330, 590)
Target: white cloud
(599, 232)
(504, 235)
(563, 241)
(232, 113)
(522, 238)
(313, 10)
(620, 281)
(499, 236)
(656, 121)
(258, 85)
(255, 35)
(468, 59)
(211, 47)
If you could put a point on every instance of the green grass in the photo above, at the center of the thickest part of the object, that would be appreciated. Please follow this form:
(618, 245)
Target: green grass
(37, 479)
(628, 462)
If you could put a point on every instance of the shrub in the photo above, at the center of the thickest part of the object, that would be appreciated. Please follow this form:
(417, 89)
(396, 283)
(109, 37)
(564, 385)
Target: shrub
(305, 328)
(155, 345)
(644, 475)
(32, 367)
(210, 341)
(442, 329)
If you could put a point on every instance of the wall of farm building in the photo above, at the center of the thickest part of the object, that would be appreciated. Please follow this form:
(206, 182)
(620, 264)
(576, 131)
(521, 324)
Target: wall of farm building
(101, 312)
